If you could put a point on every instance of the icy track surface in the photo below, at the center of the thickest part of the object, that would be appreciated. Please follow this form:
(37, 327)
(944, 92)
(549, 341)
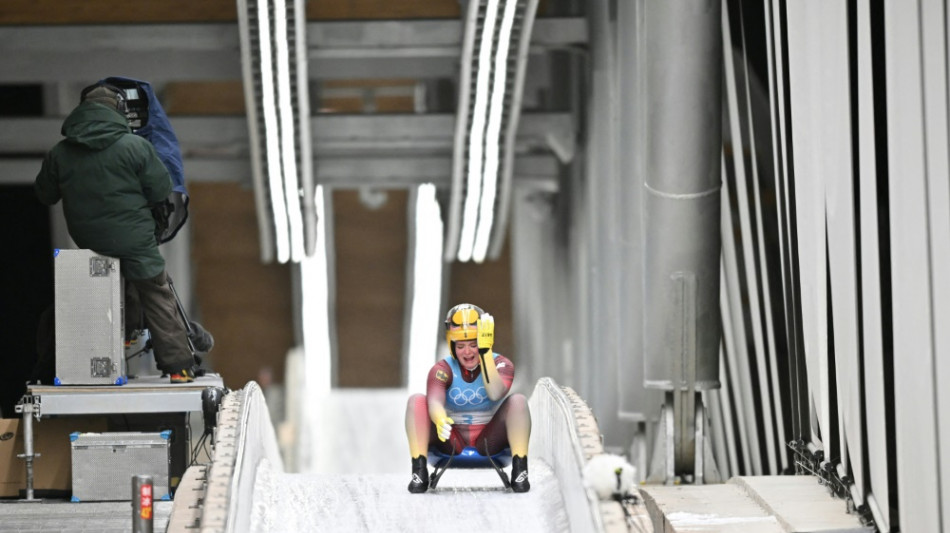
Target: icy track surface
(466, 500)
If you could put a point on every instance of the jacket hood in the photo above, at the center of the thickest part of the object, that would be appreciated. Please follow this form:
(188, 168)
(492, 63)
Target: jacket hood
(94, 126)
(158, 130)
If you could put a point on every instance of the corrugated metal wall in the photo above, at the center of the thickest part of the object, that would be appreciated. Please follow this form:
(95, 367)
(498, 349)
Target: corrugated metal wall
(835, 251)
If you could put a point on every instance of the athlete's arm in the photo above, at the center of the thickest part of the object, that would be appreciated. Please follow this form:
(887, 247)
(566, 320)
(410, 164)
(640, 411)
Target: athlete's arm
(497, 373)
(494, 385)
(439, 380)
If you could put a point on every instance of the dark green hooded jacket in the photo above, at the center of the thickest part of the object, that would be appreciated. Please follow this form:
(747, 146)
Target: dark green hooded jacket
(107, 178)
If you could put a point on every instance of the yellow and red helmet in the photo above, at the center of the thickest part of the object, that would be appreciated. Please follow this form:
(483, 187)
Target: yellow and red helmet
(461, 324)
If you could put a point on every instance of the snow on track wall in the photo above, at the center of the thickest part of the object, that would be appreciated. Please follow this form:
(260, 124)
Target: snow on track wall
(244, 437)
(564, 434)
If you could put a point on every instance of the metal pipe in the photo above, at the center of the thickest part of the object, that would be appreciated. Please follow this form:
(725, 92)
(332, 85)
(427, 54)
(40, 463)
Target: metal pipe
(142, 504)
(682, 189)
(28, 449)
(27, 409)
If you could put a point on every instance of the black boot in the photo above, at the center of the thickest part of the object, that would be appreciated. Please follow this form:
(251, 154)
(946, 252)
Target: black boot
(420, 475)
(519, 474)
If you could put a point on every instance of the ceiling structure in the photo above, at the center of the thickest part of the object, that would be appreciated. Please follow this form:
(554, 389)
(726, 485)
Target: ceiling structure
(366, 149)
(351, 151)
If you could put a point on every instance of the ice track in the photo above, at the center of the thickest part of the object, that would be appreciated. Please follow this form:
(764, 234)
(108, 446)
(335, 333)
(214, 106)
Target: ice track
(355, 475)
(466, 500)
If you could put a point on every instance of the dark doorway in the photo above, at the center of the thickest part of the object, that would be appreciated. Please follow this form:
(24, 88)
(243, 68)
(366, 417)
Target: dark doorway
(26, 286)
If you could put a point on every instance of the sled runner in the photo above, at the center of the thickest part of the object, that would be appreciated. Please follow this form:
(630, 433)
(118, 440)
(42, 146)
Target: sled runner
(469, 457)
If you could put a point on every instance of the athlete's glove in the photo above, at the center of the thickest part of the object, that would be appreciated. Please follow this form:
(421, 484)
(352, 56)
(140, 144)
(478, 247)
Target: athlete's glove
(486, 333)
(444, 427)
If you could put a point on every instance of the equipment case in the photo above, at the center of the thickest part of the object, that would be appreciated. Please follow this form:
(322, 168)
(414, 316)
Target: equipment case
(89, 301)
(104, 463)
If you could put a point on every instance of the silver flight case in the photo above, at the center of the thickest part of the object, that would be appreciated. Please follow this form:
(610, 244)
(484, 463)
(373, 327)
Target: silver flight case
(89, 300)
(104, 463)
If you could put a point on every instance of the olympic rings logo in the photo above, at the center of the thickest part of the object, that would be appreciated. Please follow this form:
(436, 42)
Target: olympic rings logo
(468, 396)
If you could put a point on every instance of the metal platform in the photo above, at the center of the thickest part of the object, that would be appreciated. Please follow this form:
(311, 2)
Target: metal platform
(146, 394)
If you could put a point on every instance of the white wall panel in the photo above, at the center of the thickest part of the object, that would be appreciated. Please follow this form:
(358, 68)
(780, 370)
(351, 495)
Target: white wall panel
(914, 387)
(831, 21)
(805, 49)
(783, 171)
(934, 17)
(736, 346)
(871, 334)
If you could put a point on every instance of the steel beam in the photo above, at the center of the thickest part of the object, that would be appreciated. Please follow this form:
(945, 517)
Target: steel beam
(210, 51)
(226, 137)
(362, 37)
(349, 172)
(350, 151)
(547, 32)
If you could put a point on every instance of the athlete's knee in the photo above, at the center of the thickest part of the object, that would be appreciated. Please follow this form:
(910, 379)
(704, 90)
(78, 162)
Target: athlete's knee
(416, 401)
(518, 402)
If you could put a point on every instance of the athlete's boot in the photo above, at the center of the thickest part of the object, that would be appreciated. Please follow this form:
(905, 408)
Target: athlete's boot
(420, 475)
(519, 474)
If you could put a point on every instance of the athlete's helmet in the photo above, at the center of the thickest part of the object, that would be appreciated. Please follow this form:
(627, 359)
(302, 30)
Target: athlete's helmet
(465, 319)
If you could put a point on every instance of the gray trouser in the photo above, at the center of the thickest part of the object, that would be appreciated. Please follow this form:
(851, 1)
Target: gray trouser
(153, 300)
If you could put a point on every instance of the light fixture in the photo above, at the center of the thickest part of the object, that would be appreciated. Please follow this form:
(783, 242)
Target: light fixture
(485, 130)
(273, 49)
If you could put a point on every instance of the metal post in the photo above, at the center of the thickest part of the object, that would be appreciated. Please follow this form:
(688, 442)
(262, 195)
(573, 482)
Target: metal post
(26, 407)
(142, 500)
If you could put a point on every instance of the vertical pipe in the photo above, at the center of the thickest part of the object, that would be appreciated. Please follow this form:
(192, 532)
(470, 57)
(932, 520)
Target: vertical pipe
(607, 313)
(576, 224)
(597, 175)
(682, 183)
(142, 500)
(635, 402)
(537, 283)
(28, 454)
